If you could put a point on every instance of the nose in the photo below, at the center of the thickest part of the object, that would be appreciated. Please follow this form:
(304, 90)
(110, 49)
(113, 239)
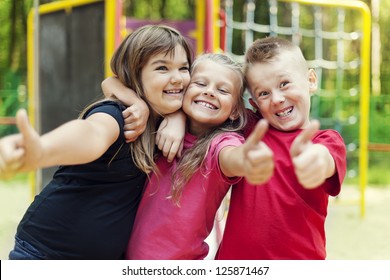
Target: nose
(177, 77)
(278, 97)
(209, 91)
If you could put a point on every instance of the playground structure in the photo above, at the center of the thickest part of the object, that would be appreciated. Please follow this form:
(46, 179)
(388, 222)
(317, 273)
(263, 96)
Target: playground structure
(341, 60)
(68, 57)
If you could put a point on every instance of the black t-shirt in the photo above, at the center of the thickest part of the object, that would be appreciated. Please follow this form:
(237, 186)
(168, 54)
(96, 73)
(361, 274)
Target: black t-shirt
(87, 211)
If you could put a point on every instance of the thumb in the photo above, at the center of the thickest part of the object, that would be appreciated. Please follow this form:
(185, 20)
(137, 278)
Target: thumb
(257, 134)
(304, 138)
(23, 124)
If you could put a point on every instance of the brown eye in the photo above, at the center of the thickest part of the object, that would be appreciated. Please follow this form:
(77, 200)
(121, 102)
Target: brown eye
(263, 93)
(283, 84)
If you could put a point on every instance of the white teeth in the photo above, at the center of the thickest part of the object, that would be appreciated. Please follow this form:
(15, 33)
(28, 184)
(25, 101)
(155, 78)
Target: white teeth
(172, 91)
(208, 105)
(285, 113)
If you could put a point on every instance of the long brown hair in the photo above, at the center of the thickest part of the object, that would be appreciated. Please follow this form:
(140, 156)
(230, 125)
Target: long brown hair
(127, 63)
(193, 158)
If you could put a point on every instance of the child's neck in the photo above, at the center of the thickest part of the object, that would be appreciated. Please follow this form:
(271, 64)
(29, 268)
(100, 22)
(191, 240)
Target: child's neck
(197, 130)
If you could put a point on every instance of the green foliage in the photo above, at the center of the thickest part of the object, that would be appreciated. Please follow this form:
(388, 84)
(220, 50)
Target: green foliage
(4, 36)
(13, 34)
(158, 9)
(378, 173)
(384, 22)
(380, 119)
(346, 121)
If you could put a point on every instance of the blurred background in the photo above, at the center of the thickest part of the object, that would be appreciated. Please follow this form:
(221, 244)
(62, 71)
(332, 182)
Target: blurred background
(54, 55)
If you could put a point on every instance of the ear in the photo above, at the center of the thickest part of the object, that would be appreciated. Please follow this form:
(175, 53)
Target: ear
(253, 103)
(313, 81)
(234, 115)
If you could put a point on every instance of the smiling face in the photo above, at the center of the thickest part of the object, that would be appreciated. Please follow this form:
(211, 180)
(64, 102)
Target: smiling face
(165, 77)
(281, 90)
(211, 97)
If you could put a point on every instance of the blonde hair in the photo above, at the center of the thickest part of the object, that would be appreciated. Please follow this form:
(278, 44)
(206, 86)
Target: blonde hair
(193, 158)
(127, 63)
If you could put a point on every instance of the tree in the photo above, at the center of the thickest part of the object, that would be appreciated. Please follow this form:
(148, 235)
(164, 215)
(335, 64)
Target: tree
(13, 32)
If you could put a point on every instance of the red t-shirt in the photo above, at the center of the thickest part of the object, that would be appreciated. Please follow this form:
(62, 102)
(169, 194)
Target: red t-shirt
(280, 219)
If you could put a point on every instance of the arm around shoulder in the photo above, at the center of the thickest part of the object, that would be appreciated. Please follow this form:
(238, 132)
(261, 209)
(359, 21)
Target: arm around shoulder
(137, 113)
(170, 135)
(112, 87)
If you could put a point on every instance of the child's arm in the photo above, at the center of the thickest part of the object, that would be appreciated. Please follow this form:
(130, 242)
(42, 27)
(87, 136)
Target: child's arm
(313, 163)
(136, 115)
(252, 160)
(170, 135)
(75, 142)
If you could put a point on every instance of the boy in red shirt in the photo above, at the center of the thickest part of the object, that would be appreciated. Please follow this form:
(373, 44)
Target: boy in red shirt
(285, 217)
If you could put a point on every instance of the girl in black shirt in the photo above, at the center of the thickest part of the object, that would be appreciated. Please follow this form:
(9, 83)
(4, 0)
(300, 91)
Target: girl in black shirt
(88, 208)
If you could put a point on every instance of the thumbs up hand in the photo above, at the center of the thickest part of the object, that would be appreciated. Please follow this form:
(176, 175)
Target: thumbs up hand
(32, 145)
(311, 161)
(19, 152)
(258, 157)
